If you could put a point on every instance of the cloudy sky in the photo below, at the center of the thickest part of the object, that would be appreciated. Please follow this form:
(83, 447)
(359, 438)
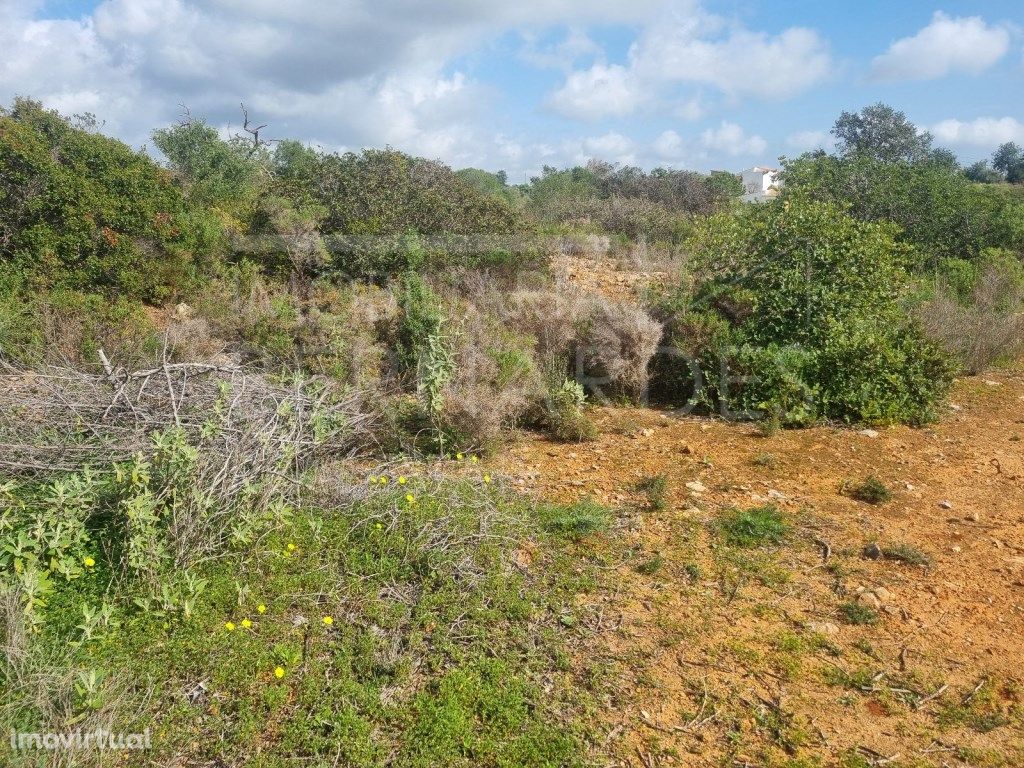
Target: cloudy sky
(515, 85)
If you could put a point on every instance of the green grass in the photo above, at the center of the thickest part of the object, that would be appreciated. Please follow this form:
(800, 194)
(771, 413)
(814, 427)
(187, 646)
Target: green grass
(754, 527)
(905, 553)
(871, 491)
(574, 521)
(858, 613)
(654, 488)
(439, 651)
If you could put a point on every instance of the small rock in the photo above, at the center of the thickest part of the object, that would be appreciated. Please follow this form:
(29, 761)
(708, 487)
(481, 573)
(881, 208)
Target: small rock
(955, 549)
(910, 486)
(883, 595)
(647, 432)
(872, 551)
(869, 599)
(696, 486)
(776, 494)
(823, 627)
(946, 504)
(869, 433)
(974, 517)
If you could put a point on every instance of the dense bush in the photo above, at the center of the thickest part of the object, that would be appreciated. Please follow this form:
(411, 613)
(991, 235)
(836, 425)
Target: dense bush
(81, 211)
(796, 312)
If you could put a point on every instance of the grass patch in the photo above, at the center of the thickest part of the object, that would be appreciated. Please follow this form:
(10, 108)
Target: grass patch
(856, 613)
(654, 488)
(870, 491)
(394, 631)
(905, 553)
(766, 460)
(575, 520)
(651, 566)
(754, 527)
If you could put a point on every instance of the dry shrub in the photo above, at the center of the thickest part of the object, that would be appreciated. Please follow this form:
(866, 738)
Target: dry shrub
(493, 382)
(551, 317)
(616, 344)
(986, 331)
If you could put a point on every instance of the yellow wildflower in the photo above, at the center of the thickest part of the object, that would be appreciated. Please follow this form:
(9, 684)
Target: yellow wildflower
(328, 620)
(229, 626)
(487, 478)
(372, 479)
(458, 457)
(291, 547)
(401, 479)
(474, 459)
(278, 672)
(246, 624)
(89, 562)
(383, 479)
(261, 608)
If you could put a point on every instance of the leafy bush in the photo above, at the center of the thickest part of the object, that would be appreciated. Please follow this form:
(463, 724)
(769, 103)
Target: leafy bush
(84, 212)
(856, 613)
(795, 313)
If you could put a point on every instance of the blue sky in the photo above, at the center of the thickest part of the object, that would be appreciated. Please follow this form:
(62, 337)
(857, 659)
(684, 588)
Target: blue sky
(682, 83)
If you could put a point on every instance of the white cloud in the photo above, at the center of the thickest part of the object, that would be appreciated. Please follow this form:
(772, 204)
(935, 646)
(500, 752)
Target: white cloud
(946, 45)
(612, 147)
(732, 140)
(742, 63)
(670, 146)
(563, 55)
(803, 141)
(986, 132)
(693, 47)
(601, 91)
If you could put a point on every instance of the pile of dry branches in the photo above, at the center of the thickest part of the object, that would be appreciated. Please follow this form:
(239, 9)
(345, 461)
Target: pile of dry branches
(57, 420)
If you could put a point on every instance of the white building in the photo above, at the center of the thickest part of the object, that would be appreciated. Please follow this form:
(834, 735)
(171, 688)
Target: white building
(760, 184)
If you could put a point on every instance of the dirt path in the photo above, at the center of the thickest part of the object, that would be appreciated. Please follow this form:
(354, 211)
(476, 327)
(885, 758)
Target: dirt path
(718, 656)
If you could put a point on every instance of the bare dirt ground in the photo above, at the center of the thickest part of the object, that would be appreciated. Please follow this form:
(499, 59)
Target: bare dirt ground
(710, 655)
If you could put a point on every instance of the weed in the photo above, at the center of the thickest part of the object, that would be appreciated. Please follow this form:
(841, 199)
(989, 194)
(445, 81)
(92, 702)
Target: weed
(654, 487)
(766, 460)
(576, 520)
(905, 553)
(871, 491)
(754, 527)
(858, 613)
(651, 566)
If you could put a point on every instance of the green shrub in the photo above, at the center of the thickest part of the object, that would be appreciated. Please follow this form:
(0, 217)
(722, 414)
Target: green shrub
(905, 553)
(856, 613)
(754, 527)
(796, 311)
(871, 491)
(654, 488)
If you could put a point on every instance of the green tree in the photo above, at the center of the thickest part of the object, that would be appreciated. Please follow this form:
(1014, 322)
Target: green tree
(1009, 161)
(882, 133)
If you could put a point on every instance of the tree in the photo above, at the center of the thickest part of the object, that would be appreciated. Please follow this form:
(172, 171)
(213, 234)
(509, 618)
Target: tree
(883, 133)
(982, 173)
(1009, 160)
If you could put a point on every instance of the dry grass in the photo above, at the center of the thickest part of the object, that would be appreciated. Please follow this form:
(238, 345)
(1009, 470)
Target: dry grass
(988, 330)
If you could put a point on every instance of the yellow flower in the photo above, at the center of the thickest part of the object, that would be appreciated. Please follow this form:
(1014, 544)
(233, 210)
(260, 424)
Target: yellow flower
(401, 479)
(458, 457)
(379, 526)
(383, 480)
(278, 672)
(89, 562)
(291, 547)
(328, 620)
(487, 478)
(229, 626)
(410, 498)
(261, 608)
(246, 623)
(474, 459)
(373, 479)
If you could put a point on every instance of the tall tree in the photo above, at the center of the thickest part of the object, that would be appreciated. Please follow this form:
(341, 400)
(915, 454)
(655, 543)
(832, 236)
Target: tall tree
(1009, 161)
(883, 133)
